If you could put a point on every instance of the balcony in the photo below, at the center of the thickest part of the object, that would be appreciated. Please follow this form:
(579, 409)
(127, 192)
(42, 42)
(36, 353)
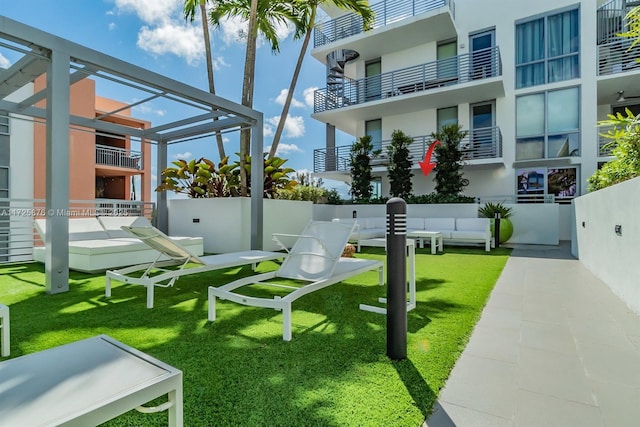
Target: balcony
(118, 157)
(605, 145)
(398, 25)
(480, 146)
(618, 57)
(469, 67)
(385, 13)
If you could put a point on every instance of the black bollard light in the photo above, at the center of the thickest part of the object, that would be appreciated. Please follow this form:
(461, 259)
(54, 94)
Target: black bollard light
(496, 229)
(396, 279)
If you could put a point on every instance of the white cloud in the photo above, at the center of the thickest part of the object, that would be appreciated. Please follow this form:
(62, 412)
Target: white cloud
(147, 109)
(184, 156)
(151, 11)
(234, 30)
(267, 130)
(112, 26)
(308, 95)
(182, 41)
(282, 97)
(4, 62)
(284, 149)
(293, 127)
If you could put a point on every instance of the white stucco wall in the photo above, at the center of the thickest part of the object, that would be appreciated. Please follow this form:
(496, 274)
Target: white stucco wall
(225, 223)
(610, 256)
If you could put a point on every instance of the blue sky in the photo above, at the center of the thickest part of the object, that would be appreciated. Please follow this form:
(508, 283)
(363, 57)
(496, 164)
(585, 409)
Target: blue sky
(153, 34)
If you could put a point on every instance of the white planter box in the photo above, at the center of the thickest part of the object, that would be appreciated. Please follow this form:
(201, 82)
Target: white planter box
(225, 223)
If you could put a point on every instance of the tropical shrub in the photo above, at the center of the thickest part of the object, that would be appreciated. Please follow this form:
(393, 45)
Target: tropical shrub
(360, 162)
(449, 178)
(400, 163)
(625, 140)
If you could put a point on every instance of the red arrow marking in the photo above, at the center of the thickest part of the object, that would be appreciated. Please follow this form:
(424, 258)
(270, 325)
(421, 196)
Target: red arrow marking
(426, 165)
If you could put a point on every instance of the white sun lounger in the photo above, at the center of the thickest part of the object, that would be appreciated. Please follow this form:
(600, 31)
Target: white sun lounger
(314, 258)
(178, 256)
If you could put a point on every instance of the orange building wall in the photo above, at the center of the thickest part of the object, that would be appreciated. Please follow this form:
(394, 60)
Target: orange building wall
(82, 160)
(82, 164)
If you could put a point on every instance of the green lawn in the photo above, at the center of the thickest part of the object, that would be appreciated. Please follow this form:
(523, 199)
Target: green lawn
(238, 371)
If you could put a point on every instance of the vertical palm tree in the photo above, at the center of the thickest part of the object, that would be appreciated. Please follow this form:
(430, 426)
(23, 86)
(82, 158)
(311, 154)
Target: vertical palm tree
(306, 12)
(190, 13)
(263, 17)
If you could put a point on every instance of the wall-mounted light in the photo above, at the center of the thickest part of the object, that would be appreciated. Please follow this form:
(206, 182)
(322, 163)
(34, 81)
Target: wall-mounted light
(618, 229)
(622, 98)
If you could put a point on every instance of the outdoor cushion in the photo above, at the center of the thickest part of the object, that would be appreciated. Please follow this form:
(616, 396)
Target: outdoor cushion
(113, 224)
(79, 229)
(468, 235)
(477, 224)
(439, 224)
(415, 223)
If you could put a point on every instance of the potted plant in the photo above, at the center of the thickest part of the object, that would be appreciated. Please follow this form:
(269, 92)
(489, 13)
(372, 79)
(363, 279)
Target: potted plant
(506, 226)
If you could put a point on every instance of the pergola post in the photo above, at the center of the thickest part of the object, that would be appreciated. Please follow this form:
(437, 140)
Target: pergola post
(257, 183)
(162, 212)
(57, 174)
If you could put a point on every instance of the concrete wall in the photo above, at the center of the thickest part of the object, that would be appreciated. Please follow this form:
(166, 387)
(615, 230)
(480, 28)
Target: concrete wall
(610, 256)
(225, 223)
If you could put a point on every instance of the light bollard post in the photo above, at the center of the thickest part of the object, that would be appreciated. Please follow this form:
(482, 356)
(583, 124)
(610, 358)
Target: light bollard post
(396, 279)
(496, 229)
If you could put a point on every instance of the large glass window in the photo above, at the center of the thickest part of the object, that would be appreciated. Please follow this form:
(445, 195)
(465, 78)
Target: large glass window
(547, 49)
(548, 124)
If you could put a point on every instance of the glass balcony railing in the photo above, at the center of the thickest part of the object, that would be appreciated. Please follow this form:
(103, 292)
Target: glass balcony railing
(483, 143)
(481, 64)
(119, 157)
(385, 13)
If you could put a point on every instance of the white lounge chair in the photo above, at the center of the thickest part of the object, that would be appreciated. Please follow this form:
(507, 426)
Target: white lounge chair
(178, 256)
(314, 258)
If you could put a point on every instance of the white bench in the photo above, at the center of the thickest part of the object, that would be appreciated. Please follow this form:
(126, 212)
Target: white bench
(5, 338)
(99, 244)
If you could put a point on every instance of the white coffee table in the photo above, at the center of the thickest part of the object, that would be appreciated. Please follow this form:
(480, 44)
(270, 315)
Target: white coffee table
(86, 383)
(381, 242)
(421, 236)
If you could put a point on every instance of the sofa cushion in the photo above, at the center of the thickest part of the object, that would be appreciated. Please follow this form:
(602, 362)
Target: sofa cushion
(381, 222)
(469, 235)
(79, 229)
(439, 224)
(475, 224)
(371, 233)
(415, 223)
(113, 224)
(370, 222)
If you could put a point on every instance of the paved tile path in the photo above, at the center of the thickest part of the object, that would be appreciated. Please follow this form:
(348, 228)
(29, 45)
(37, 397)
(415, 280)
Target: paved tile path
(554, 347)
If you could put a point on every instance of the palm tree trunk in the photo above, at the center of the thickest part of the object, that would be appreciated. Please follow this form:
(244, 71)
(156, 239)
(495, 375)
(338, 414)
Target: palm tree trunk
(247, 93)
(212, 87)
(292, 87)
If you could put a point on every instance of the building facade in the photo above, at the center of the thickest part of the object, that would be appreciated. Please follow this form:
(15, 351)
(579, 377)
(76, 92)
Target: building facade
(528, 81)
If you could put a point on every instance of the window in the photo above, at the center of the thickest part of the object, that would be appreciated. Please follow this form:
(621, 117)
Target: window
(533, 184)
(548, 124)
(4, 182)
(373, 80)
(373, 128)
(547, 49)
(376, 185)
(447, 60)
(4, 124)
(447, 116)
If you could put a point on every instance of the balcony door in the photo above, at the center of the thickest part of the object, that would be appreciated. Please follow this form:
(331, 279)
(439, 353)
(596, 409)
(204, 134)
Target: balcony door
(373, 128)
(483, 122)
(482, 63)
(373, 80)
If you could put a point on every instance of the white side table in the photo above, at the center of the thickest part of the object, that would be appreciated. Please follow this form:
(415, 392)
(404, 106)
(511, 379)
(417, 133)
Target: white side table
(435, 236)
(5, 338)
(381, 242)
(86, 383)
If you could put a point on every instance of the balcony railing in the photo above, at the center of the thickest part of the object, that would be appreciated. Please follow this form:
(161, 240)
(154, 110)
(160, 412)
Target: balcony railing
(611, 20)
(385, 13)
(618, 57)
(605, 145)
(481, 64)
(483, 143)
(120, 157)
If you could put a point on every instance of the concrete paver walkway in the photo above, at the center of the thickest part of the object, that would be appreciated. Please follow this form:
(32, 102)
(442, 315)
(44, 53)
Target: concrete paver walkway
(554, 347)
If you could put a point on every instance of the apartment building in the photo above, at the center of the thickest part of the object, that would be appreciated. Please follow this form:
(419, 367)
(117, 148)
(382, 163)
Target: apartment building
(528, 81)
(103, 168)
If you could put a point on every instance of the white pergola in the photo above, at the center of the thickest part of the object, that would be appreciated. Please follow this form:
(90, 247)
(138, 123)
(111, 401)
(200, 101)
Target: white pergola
(66, 63)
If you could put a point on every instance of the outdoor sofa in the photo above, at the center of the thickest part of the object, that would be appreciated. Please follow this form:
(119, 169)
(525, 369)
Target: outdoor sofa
(98, 243)
(453, 230)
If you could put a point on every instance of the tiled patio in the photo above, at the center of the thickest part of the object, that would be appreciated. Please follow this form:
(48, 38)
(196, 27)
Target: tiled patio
(554, 347)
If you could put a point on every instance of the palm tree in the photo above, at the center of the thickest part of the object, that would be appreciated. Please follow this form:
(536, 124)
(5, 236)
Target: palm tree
(306, 11)
(190, 13)
(263, 16)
